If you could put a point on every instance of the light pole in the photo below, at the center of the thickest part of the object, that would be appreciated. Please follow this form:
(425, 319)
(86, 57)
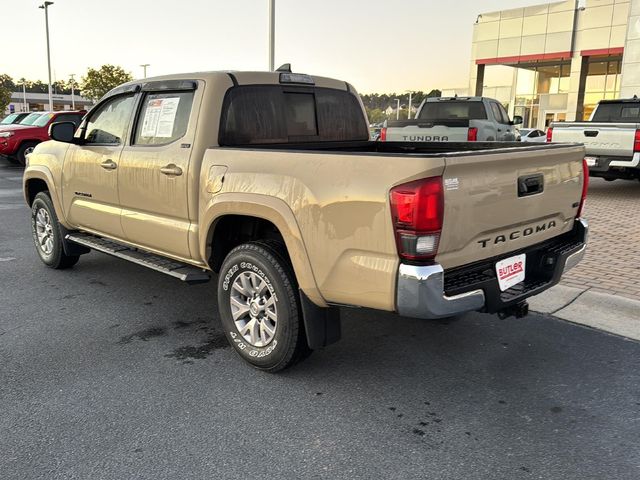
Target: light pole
(272, 34)
(397, 108)
(144, 66)
(46, 6)
(73, 99)
(410, 92)
(24, 95)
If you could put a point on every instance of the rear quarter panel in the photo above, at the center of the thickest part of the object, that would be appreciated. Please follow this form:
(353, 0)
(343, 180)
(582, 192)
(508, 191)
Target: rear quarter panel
(341, 209)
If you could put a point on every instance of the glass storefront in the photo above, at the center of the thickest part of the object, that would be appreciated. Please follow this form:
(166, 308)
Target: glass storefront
(603, 82)
(534, 81)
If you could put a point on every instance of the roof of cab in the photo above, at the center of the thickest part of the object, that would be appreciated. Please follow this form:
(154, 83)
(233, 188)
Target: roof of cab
(242, 78)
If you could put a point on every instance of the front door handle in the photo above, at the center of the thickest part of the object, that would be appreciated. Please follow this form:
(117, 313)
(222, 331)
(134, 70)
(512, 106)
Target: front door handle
(109, 165)
(171, 169)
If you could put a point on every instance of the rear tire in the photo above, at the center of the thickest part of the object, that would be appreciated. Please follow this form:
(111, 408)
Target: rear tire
(260, 308)
(47, 235)
(25, 149)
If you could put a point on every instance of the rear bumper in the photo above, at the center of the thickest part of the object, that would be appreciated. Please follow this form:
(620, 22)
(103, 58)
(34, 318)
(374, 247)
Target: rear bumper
(430, 292)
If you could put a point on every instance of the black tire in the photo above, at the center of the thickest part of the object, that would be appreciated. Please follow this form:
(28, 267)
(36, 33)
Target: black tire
(21, 154)
(609, 179)
(55, 258)
(267, 262)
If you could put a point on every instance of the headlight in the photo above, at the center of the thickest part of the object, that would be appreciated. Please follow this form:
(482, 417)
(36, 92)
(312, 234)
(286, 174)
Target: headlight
(5, 134)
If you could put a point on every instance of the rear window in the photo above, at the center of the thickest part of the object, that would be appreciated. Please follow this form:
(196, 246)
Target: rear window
(267, 114)
(453, 110)
(617, 113)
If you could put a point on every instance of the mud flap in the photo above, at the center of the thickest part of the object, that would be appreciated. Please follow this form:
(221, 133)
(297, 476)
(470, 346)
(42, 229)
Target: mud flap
(71, 248)
(322, 325)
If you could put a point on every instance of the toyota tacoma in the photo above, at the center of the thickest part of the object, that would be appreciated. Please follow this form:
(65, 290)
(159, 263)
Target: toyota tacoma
(268, 183)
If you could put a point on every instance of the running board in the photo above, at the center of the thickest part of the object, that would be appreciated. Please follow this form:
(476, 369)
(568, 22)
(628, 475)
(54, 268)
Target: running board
(182, 271)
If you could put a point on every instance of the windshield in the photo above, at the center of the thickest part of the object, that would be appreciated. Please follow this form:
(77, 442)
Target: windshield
(42, 121)
(453, 110)
(9, 119)
(30, 119)
(525, 131)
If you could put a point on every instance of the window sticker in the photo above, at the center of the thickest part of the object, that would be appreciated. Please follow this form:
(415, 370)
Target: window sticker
(160, 117)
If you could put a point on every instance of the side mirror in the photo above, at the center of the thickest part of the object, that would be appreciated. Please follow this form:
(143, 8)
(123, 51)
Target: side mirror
(62, 131)
(517, 120)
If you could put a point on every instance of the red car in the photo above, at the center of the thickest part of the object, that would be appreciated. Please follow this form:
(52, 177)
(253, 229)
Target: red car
(19, 140)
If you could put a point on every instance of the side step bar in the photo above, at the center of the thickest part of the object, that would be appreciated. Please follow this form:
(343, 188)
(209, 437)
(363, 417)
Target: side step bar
(182, 271)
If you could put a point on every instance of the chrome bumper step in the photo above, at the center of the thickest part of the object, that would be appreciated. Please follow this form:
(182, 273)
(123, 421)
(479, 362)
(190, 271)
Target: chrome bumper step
(182, 271)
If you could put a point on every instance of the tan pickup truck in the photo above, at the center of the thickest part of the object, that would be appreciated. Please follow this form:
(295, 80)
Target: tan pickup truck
(268, 183)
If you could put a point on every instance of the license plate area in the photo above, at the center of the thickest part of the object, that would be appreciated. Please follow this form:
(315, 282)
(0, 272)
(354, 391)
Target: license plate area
(511, 271)
(591, 161)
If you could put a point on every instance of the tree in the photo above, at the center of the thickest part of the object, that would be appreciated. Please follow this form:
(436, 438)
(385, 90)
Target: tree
(5, 99)
(98, 82)
(7, 82)
(376, 115)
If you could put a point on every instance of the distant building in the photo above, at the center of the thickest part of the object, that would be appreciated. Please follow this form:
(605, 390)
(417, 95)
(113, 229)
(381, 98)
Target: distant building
(555, 61)
(37, 102)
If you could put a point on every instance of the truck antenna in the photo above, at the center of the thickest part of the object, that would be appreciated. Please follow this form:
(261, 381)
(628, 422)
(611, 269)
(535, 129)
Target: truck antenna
(285, 67)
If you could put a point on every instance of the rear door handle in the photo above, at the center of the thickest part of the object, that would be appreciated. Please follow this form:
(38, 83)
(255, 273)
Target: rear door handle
(109, 165)
(172, 170)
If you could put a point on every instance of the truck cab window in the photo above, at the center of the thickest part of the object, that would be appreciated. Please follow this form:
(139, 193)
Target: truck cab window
(268, 114)
(164, 117)
(108, 125)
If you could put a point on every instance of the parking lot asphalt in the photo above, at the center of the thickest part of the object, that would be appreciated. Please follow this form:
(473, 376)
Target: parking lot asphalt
(112, 371)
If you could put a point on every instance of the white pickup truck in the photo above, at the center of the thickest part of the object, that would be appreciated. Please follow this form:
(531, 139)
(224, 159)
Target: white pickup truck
(611, 138)
(454, 119)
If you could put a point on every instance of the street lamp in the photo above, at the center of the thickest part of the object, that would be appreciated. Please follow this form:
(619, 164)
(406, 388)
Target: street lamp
(272, 34)
(73, 99)
(46, 6)
(24, 94)
(397, 108)
(410, 92)
(144, 66)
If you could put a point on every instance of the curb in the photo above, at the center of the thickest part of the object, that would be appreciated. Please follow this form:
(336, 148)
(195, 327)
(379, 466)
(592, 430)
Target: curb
(602, 311)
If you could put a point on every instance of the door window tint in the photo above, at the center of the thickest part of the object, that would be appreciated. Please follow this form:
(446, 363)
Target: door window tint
(497, 114)
(453, 110)
(503, 114)
(109, 123)
(164, 117)
(268, 114)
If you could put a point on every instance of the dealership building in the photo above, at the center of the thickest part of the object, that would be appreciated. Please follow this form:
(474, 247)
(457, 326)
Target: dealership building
(555, 61)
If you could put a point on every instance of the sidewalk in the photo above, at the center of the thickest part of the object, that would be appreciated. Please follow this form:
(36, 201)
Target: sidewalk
(587, 306)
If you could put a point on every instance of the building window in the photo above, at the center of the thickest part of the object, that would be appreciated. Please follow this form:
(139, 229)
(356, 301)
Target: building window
(603, 82)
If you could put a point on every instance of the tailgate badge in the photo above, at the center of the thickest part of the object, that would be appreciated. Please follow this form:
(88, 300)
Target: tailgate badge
(451, 183)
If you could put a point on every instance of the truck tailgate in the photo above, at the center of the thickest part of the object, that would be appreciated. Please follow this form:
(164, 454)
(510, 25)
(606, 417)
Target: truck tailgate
(487, 213)
(599, 139)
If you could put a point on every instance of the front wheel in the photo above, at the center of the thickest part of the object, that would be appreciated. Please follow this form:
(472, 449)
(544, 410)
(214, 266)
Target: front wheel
(47, 234)
(260, 308)
(25, 149)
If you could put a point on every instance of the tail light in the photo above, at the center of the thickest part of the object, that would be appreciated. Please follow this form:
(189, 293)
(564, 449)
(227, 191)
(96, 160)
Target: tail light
(383, 134)
(417, 210)
(472, 134)
(585, 185)
(636, 142)
(549, 135)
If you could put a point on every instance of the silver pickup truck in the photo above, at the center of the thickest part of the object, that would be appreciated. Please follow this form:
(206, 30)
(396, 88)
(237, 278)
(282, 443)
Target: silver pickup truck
(454, 119)
(611, 138)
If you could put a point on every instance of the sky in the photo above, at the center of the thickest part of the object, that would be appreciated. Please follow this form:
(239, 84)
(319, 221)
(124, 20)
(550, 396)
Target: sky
(377, 45)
